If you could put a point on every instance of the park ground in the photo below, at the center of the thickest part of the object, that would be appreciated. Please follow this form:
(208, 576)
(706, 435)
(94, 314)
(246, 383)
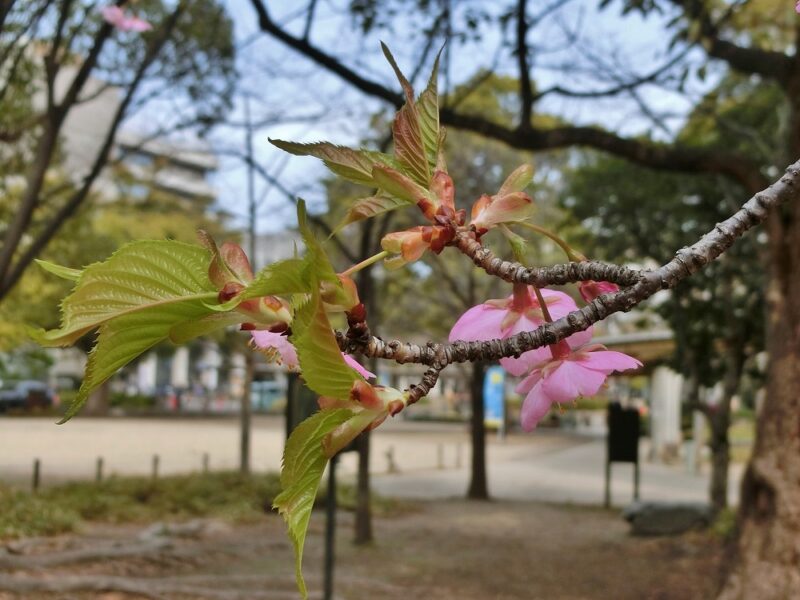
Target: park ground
(444, 550)
(542, 536)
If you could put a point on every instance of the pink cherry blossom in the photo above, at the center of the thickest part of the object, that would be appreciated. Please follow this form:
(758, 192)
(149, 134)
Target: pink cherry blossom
(566, 376)
(280, 349)
(592, 289)
(519, 312)
(797, 7)
(114, 15)
(354, 364)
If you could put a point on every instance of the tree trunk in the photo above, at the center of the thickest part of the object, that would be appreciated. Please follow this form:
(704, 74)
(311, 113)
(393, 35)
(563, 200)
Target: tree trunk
(99, 401)
(767, 560)
(245, 414)
(478, 488)
(720, 460)
(366, 292)
(363, 520)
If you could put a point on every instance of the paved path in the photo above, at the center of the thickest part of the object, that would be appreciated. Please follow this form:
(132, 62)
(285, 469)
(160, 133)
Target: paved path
(431, 459)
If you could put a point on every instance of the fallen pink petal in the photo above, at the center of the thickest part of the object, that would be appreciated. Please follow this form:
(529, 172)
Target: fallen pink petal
(116, 16)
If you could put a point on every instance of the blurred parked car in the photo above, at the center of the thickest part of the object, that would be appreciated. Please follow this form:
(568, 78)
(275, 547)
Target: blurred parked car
(26, 395)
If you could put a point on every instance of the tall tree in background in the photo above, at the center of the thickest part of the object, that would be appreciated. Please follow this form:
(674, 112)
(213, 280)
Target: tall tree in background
(638, 215)
(758, 40)
(56, 55)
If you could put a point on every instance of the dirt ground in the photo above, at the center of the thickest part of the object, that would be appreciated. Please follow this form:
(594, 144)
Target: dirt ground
(434, 551)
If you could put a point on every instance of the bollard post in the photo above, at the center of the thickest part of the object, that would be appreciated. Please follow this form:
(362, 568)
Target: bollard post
(206, 462)
(458, 456)
(391, 465)
(37, 467)
(155, 466)
(439, 456)
(330, 531)
(98, 473)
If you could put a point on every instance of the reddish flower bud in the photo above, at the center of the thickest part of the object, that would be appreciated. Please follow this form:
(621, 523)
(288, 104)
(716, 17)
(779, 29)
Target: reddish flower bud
(590, 290)
(443, 188)
(489, 212)
(357, 314)
(338, 299)
(229, 291)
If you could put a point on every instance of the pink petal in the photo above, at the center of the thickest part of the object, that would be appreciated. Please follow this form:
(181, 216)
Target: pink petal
(114, 15)
(136, 24)
(571, 380)
(559, 304)
(479, 323)
(526, 385)
(279, 343)
(355, 365)
(534, 407)
(606, 361)
(576, 340)
(526, 361)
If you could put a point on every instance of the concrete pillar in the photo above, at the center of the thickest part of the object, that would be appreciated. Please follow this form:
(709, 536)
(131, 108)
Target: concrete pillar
(211, 362)
(146, 374)
(179, 369)
(665, 421)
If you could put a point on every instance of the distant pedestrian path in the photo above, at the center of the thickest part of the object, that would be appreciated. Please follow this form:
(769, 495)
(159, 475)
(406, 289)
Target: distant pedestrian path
(408, 459)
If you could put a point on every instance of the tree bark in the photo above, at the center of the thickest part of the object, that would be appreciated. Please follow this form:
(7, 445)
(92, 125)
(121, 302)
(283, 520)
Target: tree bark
(478, 488)
(766, 562)
(363, 520)
(366, 289)
(720, 459)
(245, 415)
(99, 401)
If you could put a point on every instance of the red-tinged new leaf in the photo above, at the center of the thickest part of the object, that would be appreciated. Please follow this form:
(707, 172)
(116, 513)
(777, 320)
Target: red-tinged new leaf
(367, 208)
(395, 183)
(409, 146)
(353, 165)
(428, 109)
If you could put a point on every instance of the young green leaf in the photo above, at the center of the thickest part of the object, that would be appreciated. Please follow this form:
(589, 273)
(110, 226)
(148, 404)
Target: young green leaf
(321, 361)
(138, 276)
(353, 165)
(136, 298)
(428, 108)
(517, 181)
(370, 207)
(304, 461)
(123, 338)
(409, 146)
(58, 270)
(393, 182)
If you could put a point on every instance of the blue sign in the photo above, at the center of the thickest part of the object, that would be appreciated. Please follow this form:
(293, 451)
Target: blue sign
(494, 397)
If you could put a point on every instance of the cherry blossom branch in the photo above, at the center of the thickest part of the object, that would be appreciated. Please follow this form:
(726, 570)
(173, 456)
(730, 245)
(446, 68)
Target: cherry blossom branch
(420, 390)
(686, 262)
(514, 272)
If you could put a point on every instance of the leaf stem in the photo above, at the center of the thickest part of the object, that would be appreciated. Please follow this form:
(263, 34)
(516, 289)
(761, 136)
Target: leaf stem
(572, 255)
(365, 263)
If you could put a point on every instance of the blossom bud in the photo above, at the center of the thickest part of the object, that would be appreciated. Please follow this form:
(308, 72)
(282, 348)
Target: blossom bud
(339, 298)
(590, 290)
(489, 212)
